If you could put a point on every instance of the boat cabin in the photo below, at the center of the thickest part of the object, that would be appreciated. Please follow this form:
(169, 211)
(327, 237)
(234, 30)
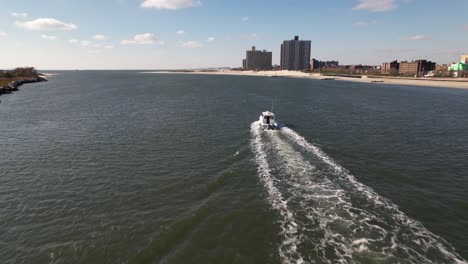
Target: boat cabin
(268, 119)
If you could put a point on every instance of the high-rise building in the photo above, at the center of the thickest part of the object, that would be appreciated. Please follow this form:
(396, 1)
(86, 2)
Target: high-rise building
(295, 54)
(257, 60)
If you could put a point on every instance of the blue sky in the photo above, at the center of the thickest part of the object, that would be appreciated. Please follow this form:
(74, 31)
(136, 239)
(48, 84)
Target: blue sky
(168, 34)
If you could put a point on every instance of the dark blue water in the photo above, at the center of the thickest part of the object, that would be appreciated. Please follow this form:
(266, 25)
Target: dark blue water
(123, 167)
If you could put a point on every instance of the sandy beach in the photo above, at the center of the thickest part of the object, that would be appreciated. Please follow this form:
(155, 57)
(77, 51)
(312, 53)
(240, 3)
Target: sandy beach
(455, 83)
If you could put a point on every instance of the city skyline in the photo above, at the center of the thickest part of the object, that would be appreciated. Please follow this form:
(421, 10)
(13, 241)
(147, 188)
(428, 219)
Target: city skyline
(176, 34)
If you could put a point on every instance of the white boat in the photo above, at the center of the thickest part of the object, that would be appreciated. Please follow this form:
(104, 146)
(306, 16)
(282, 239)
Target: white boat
(267, 120)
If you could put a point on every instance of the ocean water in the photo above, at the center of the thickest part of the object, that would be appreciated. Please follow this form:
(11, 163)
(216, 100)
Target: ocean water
(124, 167)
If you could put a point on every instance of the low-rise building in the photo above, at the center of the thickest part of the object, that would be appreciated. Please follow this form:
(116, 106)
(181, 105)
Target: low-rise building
(316, 64)
(464, 58)
(417, 68)
(459, 69)
(390, 67)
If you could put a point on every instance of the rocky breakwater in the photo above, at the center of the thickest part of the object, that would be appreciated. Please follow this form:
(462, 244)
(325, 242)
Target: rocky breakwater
(15, 84)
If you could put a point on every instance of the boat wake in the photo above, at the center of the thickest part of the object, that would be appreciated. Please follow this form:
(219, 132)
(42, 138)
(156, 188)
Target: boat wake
(327, 216)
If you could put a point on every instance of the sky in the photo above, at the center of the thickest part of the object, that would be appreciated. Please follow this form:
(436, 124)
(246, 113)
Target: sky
(186, 34)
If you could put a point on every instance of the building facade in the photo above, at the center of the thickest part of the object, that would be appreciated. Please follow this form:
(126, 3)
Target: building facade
(418, 68)
(295, 54)
(390, 67)
(257, 60)
(464, 58)
(316, 64)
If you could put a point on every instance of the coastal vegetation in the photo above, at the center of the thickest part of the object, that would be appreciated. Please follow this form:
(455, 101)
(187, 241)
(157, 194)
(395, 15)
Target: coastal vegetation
(11, 80)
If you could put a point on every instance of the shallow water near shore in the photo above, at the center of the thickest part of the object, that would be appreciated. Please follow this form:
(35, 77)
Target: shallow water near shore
(123, 167)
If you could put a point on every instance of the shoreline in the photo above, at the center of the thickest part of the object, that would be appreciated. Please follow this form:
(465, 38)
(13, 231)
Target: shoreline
(426, 82)
(13, 86)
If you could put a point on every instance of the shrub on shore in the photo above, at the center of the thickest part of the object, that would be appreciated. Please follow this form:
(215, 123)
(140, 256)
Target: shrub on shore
(20, 72)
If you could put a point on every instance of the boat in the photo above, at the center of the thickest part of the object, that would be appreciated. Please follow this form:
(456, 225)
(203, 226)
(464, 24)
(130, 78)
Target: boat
(267, 120)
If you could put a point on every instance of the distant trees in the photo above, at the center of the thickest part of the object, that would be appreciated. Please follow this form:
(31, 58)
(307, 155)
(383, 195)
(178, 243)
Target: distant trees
(19, 72)
(24, 72)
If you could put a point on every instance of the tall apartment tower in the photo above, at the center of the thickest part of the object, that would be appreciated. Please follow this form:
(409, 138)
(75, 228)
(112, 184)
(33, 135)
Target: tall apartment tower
(295, 54)
(257, 60)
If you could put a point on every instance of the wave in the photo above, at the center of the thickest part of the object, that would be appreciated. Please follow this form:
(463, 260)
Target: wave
(336, 218)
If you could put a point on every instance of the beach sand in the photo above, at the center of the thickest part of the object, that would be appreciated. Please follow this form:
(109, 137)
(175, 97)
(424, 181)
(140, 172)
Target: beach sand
(456, 83)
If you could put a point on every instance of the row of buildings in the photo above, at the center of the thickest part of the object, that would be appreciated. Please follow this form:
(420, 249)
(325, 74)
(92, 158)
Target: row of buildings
(316, 64)
(428, 68)
(418, 67)
(295, 56)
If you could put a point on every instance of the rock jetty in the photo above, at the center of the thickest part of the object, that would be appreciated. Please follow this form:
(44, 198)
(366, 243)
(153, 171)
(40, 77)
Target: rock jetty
(14, 85)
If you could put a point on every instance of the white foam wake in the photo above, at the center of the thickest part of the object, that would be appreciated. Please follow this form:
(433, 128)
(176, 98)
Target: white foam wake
(319, 200)
(288, 249)
(387, 228)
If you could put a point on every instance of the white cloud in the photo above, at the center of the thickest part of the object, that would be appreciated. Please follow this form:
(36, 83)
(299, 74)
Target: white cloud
(254, 35)
(94, 51)
(192, 44)
(376, 5)
(170, 4)
(364, 23)
(99, 37)
(3, 34)
(180, 32)
(455, 51)
(417, 38)
(245, 19)
(45, 24)
(85, 43)
(396, 50)
(49, 37)
(142, 39)
(210, 39)
(361, 24)
(89, 44)
(19, 15)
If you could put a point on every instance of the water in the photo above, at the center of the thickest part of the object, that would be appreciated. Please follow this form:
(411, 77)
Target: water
(122, 167)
